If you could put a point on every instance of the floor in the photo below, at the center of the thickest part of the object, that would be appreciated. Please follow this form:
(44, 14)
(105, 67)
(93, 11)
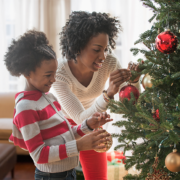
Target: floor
(24, 169)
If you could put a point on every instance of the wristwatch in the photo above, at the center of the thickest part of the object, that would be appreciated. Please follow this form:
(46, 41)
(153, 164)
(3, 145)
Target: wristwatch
(105, 96)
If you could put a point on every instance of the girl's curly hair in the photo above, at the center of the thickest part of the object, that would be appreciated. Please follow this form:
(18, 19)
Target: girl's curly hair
(82, 26)
(27, 52)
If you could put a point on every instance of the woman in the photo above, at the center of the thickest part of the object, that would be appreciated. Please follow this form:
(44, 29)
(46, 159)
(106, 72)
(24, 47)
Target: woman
(86, 40)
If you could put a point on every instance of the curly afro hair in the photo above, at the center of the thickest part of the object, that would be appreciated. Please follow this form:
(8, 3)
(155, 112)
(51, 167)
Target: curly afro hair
(27, 53)
(82, 26)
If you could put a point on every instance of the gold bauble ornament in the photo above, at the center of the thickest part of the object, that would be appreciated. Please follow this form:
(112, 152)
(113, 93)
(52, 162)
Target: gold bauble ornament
(108, 144)
(146, 81)
(172, 161)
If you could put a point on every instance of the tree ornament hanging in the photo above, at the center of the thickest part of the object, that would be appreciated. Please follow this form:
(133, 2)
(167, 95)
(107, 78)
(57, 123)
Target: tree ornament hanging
(125, 92)
(108, 144)
(156, 115)
(146, 81)
(166, 42)
(157, 174)
(172, 161)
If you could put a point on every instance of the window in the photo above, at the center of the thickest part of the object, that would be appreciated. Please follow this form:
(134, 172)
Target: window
(8, 82)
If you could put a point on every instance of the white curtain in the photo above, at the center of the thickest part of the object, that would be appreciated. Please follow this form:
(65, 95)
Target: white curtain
(134, 20)
(21, 15)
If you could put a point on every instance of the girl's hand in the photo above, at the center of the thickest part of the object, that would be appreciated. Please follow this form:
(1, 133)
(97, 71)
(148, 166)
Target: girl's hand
(116, 79)
(93, 140)
(98, 119)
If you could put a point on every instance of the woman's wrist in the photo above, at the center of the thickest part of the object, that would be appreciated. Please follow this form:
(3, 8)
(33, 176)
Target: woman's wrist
(110, 95)
(106, 97)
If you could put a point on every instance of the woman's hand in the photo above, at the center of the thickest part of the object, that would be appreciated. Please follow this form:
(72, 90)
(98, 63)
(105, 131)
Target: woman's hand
(116, 79)
(134, 67)
(93, 140)
(98, 119)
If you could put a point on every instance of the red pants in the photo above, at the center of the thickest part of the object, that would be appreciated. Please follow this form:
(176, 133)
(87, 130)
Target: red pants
(94, 164)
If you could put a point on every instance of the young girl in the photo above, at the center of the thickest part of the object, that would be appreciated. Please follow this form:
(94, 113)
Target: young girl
(39, 125)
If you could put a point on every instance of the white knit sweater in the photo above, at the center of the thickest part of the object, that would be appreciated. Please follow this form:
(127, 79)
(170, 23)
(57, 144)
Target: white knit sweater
(77, 101)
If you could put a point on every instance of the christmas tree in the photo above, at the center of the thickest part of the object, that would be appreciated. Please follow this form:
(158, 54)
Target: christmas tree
(154, 117)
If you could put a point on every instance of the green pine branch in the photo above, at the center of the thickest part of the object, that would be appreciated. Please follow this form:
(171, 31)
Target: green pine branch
(140, 120)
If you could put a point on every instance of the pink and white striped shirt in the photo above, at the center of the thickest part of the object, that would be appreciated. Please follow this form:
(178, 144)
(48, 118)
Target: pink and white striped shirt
(44, 132)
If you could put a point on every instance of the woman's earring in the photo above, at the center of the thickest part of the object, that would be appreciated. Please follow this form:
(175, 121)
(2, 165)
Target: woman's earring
(76, 56)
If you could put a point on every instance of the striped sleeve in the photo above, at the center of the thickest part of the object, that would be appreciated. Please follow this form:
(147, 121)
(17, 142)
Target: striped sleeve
(81, 130)
(26, 123)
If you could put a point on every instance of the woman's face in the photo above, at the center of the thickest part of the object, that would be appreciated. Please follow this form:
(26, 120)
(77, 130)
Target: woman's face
(94, 53)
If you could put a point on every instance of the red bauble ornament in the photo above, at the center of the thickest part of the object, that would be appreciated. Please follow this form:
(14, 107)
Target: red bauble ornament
(166, 42)
(125, 92)
(156, 115)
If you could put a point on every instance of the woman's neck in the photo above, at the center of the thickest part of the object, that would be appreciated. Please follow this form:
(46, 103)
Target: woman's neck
(78, 69)
(81, 73)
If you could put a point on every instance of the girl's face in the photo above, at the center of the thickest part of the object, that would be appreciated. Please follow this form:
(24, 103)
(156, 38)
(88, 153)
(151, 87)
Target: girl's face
(43, 77)
(94, 53)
